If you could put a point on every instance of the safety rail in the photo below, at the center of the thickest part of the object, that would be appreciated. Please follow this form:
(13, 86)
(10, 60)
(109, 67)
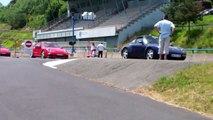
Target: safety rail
(193, 50)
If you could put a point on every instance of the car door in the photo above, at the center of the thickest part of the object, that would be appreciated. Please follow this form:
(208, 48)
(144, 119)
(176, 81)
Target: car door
(139, 48)
(37, 50)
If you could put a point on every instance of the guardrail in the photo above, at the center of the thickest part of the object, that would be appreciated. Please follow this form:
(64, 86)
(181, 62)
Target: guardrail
(193, 50)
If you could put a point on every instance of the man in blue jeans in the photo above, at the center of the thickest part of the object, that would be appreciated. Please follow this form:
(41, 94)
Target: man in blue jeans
(165, 28)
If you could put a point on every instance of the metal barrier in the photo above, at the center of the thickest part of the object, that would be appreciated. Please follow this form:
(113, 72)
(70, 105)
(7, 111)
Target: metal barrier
(193, 50)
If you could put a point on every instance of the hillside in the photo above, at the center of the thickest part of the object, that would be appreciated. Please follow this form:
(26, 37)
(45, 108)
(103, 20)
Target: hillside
(200, 34)
(32, 13)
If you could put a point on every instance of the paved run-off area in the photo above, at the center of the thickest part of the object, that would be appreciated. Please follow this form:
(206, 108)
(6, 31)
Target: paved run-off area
(124, 73)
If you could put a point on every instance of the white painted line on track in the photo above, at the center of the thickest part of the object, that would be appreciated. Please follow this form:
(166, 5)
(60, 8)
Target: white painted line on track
(53, 64)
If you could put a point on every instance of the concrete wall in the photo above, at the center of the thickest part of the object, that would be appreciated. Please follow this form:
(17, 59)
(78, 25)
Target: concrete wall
(111, 41)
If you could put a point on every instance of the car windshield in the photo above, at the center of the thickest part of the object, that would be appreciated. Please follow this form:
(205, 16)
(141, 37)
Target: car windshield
(150, 40)
(133, 42)
(50, 44)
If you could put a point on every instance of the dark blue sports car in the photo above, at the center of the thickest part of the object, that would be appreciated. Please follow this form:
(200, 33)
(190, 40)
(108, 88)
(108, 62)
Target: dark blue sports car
(146, 47)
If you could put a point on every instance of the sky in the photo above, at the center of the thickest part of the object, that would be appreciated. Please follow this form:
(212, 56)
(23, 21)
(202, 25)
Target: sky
(5, 2)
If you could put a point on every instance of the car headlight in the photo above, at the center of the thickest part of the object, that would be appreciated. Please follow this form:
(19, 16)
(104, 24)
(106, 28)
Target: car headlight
(183, 50)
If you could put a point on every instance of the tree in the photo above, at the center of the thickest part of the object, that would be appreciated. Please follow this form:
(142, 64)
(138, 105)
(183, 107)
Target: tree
(20, 13)
(184, 12)
(16, 19)
(12, 2)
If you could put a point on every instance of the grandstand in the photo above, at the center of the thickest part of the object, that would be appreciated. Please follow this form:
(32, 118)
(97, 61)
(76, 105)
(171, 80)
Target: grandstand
(116, 21)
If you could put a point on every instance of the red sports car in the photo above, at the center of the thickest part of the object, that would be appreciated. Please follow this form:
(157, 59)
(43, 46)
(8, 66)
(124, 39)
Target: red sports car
(49, 50)
(4, 51)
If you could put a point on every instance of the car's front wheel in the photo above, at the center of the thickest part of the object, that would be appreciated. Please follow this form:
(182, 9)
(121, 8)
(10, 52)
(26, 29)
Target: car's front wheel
(149, 54)
(32, 55)
(125, 53)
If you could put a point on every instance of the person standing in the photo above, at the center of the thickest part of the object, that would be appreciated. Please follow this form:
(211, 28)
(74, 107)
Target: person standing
(100, 49)
(93, 50)
(166, 29)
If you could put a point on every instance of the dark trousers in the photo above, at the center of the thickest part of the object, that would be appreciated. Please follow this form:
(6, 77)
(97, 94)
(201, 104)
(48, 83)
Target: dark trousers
(100, 54)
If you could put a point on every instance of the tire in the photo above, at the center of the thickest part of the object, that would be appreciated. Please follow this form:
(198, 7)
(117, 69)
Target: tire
(125, 53)
(32, 56)
(149, 54)
(43, 54)
(183, 58)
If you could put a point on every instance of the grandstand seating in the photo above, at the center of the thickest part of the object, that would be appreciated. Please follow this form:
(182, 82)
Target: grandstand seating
(126, 21)
(107, 17)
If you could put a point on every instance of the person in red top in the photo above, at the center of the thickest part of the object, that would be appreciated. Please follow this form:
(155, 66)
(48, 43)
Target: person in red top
(93, 50)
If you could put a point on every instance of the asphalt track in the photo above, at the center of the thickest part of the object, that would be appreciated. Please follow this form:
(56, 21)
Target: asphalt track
(31, 91)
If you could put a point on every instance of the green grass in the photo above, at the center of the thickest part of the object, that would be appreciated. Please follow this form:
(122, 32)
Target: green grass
(199, 36)
(5, 27)
(191, 88)
(206, 19)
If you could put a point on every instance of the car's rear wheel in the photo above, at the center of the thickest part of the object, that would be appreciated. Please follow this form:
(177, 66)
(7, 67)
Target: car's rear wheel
(149, 54)
(125, 53)
(43, 54)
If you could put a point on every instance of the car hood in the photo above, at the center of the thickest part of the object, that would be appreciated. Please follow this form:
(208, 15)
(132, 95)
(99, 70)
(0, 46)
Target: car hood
(176, 49)
(4, 50)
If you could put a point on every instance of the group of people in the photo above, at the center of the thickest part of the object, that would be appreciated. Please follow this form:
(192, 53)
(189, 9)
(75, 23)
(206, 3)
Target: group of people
(100, 48)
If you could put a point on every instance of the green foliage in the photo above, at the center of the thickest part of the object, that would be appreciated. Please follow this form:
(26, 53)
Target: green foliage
(4, 27)
(52, 11)
(16, 19)
(184, 12)
(206, 20)
(36, 21)
(31, 13)
(14, 38)
(8, 43)
(192, 87)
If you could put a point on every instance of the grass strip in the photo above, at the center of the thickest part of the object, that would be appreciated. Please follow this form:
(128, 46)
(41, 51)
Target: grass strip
(191, 88)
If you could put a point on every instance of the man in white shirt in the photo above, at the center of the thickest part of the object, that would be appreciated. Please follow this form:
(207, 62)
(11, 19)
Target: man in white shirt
(165, 28)
(100, 49)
